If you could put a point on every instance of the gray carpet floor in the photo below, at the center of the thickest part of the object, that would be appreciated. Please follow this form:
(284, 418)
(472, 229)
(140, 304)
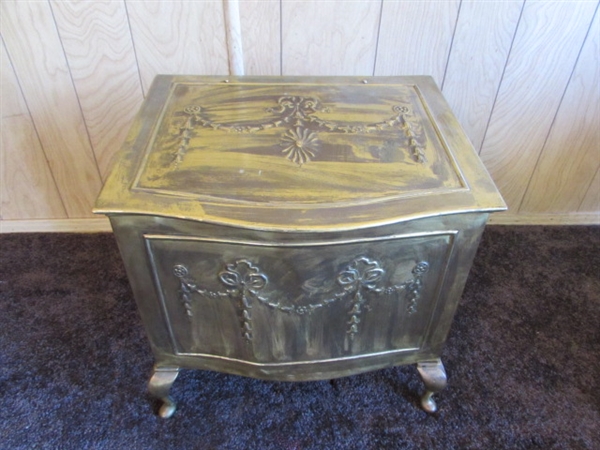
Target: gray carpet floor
(523, 361)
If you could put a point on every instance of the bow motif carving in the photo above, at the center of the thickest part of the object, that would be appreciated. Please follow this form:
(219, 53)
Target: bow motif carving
(244, 282)
(361, 275)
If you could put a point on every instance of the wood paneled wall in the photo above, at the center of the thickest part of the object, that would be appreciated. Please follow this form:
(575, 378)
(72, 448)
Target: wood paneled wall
(522, 76)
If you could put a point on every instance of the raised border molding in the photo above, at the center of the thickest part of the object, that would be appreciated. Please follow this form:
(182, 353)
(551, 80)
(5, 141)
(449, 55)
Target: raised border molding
(102, 225)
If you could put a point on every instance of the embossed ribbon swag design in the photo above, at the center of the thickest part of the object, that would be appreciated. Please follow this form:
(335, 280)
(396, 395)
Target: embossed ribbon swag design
(414, 287)
(358, 280)
(245, 281)
(300, 143)
(361, 275)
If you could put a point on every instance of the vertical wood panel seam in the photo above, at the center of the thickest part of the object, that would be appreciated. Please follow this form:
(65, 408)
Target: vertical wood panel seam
(566, 88)
(280, 37)
(378, 34)
(135, 56)
(588, 190)
(227, 36)
(487, 126)
(37, 134)
(451, 45)
(87, 131)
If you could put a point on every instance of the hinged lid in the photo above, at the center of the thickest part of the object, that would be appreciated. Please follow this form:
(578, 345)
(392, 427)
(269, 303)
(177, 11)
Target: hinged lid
(297, 154)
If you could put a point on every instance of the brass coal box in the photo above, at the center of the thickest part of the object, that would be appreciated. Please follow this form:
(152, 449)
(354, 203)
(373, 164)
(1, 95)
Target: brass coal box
(296, 228)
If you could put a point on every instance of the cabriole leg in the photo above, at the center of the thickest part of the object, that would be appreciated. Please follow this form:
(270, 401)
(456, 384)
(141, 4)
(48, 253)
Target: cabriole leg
(159, 385)
(433, 375)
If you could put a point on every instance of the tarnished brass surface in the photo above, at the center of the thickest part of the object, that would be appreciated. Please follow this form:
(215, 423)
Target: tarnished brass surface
(297, 228)
(159, 386)
(305, 154)
(434, 377)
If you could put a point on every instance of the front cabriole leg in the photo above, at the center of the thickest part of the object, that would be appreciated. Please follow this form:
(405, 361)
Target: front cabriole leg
(433, 375)
(159, 385)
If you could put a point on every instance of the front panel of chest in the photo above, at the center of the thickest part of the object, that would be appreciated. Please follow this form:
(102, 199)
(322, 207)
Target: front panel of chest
(308, 300)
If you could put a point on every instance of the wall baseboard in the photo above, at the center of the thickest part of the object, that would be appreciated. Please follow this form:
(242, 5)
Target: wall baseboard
(545, 219)
(101, 224)
(93, 225)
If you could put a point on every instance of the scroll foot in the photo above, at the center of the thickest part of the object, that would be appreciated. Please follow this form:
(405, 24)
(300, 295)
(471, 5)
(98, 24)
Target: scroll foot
(433, 375)
(159, 385)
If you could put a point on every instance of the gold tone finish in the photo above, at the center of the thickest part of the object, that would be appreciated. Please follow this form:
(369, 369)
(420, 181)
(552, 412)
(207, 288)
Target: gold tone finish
(434, 377)
(394, 154)
(159, 386)
(297, 228)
